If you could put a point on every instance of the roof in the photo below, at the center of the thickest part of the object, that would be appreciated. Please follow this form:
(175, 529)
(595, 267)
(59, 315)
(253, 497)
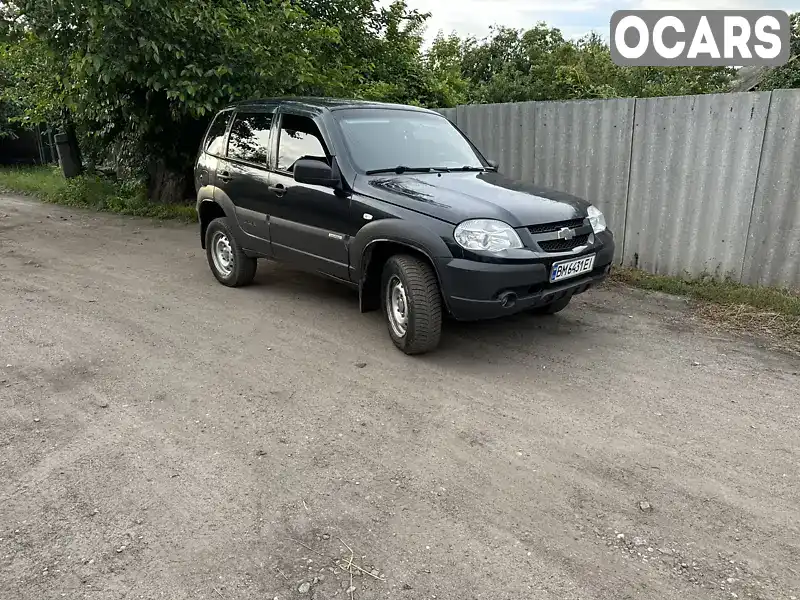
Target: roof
(749, 78)
(328, 103)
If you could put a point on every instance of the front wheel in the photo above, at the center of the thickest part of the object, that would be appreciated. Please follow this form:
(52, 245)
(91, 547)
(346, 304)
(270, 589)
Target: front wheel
(412, 304)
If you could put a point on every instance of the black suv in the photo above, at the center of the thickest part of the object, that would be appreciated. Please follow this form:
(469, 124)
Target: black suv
(394, 201)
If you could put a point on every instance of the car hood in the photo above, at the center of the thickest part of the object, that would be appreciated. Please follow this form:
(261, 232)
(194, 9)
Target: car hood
(454, 197)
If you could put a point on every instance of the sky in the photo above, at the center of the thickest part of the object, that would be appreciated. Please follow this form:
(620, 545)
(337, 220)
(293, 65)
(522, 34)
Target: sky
(573, 17)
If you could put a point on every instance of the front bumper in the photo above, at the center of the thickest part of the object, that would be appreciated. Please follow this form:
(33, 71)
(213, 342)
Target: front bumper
(477, 290)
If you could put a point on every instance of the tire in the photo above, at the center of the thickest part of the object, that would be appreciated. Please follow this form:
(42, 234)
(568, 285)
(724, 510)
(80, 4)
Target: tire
(553, 307)
(232, 268)
(419, 296)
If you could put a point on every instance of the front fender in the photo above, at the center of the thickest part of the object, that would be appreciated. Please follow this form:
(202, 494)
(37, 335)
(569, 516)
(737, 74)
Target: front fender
(400, 231)
(412, 235)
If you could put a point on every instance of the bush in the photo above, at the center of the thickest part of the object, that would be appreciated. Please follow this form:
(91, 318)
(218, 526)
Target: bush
(90, 191)
(728, 293)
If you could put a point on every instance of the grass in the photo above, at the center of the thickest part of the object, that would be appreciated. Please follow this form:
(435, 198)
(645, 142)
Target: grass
(89, 191)
(765, 310)
(778, 300)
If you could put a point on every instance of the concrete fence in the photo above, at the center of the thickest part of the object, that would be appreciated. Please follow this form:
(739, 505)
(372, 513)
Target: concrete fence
(691, 185)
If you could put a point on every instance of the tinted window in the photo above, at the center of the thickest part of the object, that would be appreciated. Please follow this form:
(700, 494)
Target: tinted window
(216, 133)
(300, 138)
(249, 139)
(384, 139)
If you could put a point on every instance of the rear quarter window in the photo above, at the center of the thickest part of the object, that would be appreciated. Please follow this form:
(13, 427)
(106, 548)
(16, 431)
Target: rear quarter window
(215, 138)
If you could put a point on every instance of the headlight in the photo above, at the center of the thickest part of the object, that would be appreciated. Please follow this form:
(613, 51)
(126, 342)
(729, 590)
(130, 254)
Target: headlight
(486, 234)
(597, 219)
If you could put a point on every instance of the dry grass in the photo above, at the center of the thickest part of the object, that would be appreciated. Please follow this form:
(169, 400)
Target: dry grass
(769, 299)
(782, 330)
(765, 311)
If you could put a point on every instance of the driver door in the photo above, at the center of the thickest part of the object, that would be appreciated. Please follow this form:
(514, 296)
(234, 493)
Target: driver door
(307, 222)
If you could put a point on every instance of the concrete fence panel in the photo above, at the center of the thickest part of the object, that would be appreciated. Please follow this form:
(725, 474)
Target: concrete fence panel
(694, 164)
(773, 243)
(584, 148)
(691, 185)
(504, 133)
(449, 113)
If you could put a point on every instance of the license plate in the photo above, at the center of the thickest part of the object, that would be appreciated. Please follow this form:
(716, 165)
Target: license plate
(571, 268)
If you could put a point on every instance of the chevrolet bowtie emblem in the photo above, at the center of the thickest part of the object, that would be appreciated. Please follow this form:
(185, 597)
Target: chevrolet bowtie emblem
(565, 233)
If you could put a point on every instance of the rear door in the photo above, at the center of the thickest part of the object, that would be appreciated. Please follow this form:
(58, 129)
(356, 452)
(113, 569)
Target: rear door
(308, 222)
(244, 177)
(213, 148)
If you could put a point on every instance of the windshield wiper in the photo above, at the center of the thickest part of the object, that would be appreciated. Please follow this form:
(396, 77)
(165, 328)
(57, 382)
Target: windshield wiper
(400, 169)
(468, 168)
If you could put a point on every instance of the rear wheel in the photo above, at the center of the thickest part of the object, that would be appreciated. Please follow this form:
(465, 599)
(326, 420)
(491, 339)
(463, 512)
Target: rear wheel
(412, 304)
(230, 265)
(553, 307)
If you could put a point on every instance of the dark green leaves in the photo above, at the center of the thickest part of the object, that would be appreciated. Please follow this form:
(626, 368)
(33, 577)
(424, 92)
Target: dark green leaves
(141, 78)
(788, 75)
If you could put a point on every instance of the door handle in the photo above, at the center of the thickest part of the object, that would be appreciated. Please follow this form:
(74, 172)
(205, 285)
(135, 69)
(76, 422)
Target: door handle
(224, 176)
(278, 189)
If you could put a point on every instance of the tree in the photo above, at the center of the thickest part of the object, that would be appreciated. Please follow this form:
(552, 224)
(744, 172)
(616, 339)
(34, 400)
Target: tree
(150, 73)
(147, 75)
(443, 59)
(8, 108)
(138, 80)
(596, 75)
(786, 76)
(514, 65)
(33, 79)
(379, 50)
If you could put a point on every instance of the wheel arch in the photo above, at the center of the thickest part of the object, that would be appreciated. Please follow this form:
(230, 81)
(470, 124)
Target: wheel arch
(377, 242)
(212, 203)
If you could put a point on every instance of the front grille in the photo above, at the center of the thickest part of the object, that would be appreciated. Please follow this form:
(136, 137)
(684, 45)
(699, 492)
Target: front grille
(564, 245)
(558, 226)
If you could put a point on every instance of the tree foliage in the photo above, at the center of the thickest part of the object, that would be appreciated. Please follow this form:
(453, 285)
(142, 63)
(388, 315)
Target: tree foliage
(151, 72)
(9, 110)
(139, 79)
(514, 65)
(788, 75)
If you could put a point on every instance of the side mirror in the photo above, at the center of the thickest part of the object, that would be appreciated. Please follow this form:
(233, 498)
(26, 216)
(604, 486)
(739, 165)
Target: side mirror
(494, 164)
(315, 172)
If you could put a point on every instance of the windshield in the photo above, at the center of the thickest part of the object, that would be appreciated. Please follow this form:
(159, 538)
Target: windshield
(385, 139)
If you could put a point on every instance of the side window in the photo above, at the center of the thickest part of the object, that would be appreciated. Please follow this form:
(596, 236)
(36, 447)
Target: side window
(216, 133)
(300, 138)
(249, 139)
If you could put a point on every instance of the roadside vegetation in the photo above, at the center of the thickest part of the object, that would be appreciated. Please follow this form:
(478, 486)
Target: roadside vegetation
(781, 301)
(770, 311)
(94, 192)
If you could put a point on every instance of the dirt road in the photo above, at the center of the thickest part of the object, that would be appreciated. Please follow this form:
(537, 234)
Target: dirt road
(162, 436)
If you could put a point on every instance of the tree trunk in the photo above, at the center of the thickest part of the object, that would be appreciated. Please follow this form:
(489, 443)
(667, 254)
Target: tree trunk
(72, 138)
(167, 186)
(51, 145)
